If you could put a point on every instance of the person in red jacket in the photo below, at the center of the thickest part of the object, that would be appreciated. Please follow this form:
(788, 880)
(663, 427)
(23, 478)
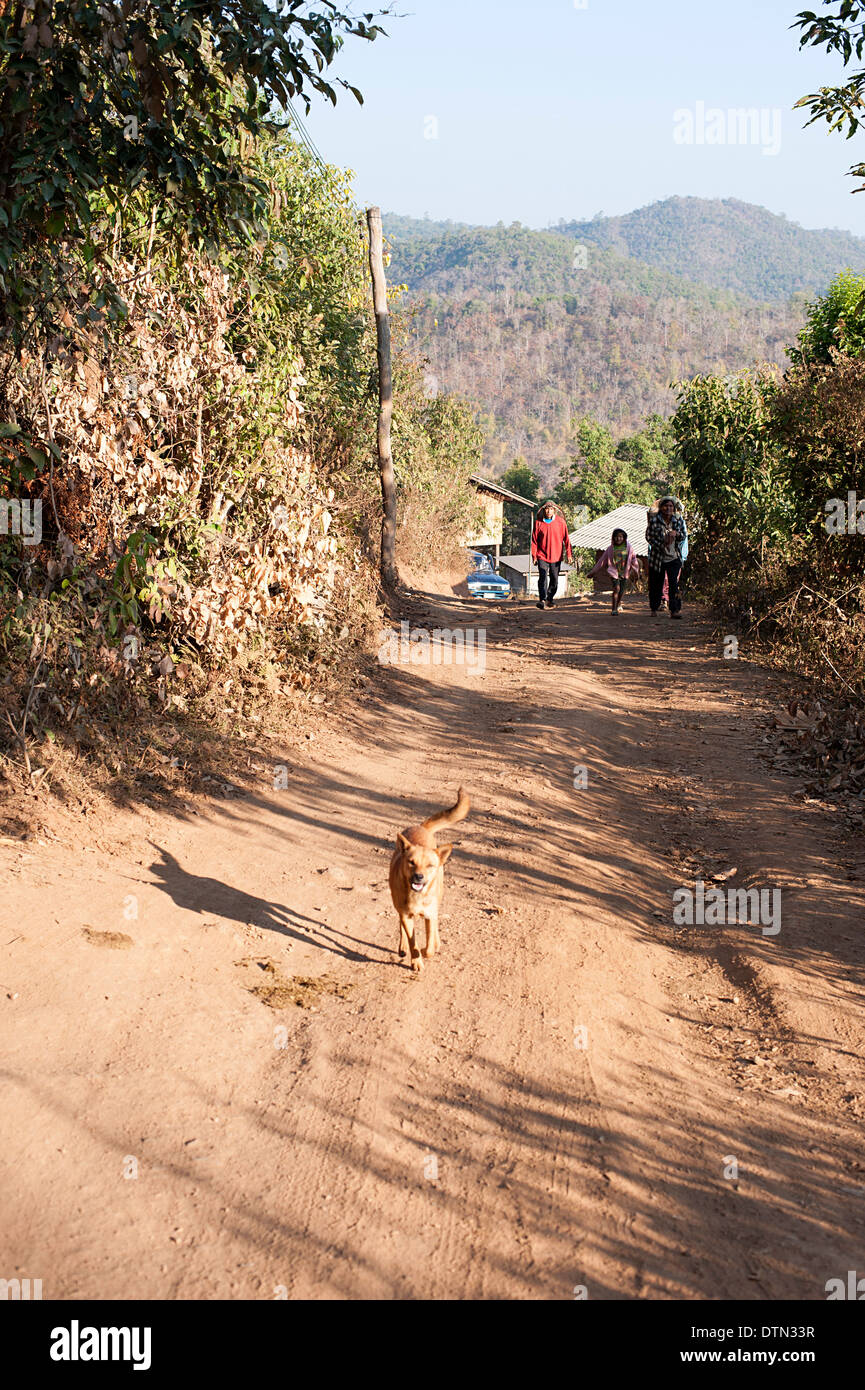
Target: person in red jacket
(550, 544)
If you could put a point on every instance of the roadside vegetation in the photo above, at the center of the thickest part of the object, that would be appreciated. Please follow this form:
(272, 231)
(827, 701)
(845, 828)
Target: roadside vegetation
(188, 387)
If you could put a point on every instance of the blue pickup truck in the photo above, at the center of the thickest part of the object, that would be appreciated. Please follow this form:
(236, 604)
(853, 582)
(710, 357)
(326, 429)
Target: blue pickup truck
(482, 580)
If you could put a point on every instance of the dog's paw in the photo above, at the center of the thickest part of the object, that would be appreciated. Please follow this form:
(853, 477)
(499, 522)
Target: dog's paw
(402, 952)
(417, 965)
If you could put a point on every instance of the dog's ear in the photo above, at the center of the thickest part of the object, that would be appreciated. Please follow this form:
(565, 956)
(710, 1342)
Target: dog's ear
(444, 853)
(401, 841)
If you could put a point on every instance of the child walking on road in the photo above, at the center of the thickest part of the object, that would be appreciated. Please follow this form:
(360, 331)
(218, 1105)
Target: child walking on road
(620, 562)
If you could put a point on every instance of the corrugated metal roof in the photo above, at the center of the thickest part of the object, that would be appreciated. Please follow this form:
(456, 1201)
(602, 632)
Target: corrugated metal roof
(597, 534)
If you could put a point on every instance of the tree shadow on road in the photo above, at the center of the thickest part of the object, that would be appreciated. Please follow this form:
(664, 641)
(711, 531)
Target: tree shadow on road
(539, 1188)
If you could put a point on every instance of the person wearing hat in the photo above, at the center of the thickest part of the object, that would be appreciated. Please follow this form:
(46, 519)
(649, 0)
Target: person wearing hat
(550, 544)
(666, 535)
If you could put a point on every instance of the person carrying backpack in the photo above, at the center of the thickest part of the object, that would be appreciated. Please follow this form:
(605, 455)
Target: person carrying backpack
(653, 511)
(667, 538)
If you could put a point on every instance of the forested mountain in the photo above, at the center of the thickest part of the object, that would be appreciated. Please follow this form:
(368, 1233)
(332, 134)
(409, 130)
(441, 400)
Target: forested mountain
(726, 243)
(423, 227)
(539, 331)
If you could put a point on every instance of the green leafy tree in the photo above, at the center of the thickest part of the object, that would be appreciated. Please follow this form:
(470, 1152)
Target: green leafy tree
(651, 450)
(835, 322)
(303, 288)
(843, 33)
(724, 436)
(106, 107)
(523, 480)
(599, 477)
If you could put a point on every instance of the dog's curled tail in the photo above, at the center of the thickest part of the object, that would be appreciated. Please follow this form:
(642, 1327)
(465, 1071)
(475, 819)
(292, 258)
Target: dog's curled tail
(451, 816)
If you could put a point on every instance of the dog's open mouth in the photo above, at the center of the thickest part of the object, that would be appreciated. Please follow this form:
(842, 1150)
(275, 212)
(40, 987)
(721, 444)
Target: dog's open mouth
(417, 882)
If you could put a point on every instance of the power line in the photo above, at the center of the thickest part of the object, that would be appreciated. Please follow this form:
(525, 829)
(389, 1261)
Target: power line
(305, 137)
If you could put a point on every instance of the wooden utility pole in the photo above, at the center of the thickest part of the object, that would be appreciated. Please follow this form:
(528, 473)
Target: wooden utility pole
(385, 399)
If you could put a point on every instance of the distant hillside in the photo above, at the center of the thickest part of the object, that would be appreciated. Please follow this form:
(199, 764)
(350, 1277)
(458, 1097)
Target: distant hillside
(537, 331)
(423, 227)
(461, 259)
(727, 244)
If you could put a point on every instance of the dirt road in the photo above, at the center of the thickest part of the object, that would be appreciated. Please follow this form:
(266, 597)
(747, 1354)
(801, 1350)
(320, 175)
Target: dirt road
(218, 1081)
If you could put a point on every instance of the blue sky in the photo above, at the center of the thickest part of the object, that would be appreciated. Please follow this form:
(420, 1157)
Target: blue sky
(542, 110)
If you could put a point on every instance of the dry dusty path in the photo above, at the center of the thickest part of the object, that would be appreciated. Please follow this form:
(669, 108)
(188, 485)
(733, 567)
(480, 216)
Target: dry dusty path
(557, 1104)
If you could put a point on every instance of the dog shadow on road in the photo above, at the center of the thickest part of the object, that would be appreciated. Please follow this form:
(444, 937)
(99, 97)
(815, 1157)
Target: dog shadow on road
(210, 896)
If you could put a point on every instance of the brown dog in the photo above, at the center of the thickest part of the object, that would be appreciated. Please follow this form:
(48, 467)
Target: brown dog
(417, 879)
